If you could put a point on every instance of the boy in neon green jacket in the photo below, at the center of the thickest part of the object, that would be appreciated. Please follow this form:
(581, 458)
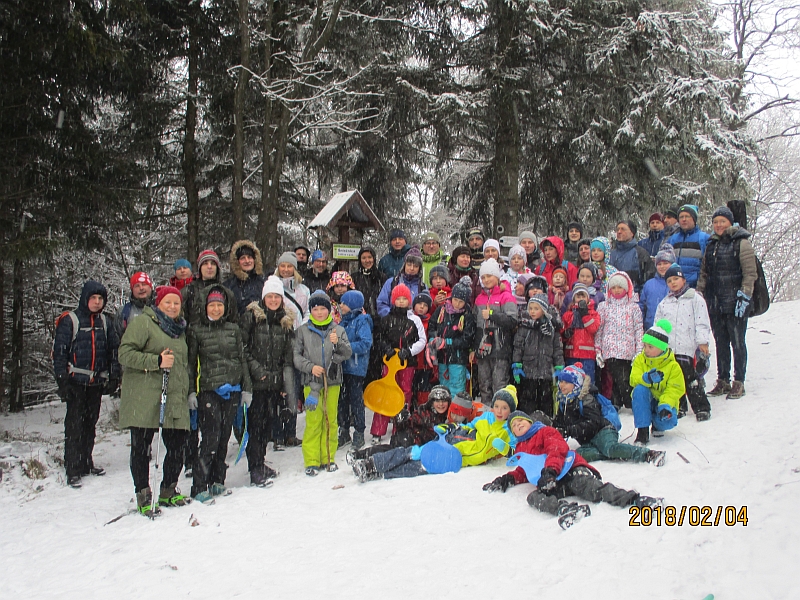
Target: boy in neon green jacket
(657, 382)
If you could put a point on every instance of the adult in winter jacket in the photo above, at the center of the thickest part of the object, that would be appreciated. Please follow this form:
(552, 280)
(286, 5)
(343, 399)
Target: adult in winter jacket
(552, 249)
(392, 262)
(302, 254)
(268, 335)
(368, 279)
(655, 237)
(358, 326)
(475, 242)
(629, 257)
(152, 344)
(529, 241)
(317, 276)
(321, 346)
(460, 265)
(686, 308)
(141, 296)
(656, 288)
(410, 276)
(726, 280)
(574, 235)
(689, 243)
(183, 273)
(220, 379)
(208, 273)
(85, 365)
(247, 274)
(432, 254)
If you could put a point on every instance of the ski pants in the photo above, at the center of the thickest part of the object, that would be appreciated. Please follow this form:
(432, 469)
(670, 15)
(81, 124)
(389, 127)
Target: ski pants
(141, 439)
(263, 424)
(695, 392)
(453, 377)
(397, 463)
(321, 439)
(729, 332)
(216, 417)
(536, 394)
(584, 484)
(620, 372)
(83, 410)
(405, 379)
(351, 404)
(493, 374)
(606, 445)
(646, 408)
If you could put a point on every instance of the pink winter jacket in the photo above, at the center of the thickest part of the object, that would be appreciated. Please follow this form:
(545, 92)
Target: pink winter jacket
(621, 330)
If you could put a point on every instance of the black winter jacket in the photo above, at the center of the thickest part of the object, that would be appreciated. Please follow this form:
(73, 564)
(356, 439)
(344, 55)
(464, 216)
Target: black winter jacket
(581, 423)
(395, 330)
(269, 345)
(724, 271)
(537, 352)
(460, 331)
(95, 346)
(193, 311)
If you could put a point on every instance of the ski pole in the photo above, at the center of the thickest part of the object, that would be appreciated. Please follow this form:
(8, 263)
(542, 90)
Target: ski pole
(164, 384)
(325, 416)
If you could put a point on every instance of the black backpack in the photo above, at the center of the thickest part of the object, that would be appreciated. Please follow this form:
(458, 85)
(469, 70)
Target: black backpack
(759, 302)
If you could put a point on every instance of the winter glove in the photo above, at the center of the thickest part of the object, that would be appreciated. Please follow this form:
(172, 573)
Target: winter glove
(485, 346)
(547, 481)
(247, 398)
(404, 354)
(563, 432)
(311, 402)
(665, 413)
(111, 386)
(390, 353)
(416, 452)
(652, 377)
(500, 445)
(63, 383)
(501, 484)
(577, 319)
(192, 401)
(193, 419)
(742, 303)
(546, 325)
(517, 371)
(583, 309)
(402, 417)
(436, 344)
(445, 428)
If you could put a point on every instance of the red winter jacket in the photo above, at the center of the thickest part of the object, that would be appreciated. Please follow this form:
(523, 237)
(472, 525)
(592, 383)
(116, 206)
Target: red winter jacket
(581, 343)
(546, 269)
(548, 441)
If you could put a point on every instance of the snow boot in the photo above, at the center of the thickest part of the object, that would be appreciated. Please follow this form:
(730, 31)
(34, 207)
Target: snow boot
(365, 470)
(330, 467)
(312, 471)
(344, 436)
(358, 440)
(96, 471)
(570, 513)
(656, 432)
(217, 489)
(737, 391)
(74, 481)
(376, 439)
(643, 436)
(703, 415)
(144, 504)
(292, 441)
(171, 496)
(648, 501)
(262, 476)
(720, 388)
(656, 457)
(204, 497)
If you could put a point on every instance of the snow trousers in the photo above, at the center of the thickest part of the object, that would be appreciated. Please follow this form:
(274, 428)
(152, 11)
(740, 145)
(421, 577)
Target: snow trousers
(453, 377)
(620, 372)
(351, 404)
(729, 332)
(405, 379)
(397, 463)
(215, 416)
(646, 408)
(493, 374)
(536, 394)
(695, 392)
(321, 439)
(263, 424)
(83, 410)
(174, 441)
(583, 483)
(606, 445)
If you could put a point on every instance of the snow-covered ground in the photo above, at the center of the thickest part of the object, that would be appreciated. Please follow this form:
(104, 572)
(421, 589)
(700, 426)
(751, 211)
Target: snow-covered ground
(433, 536)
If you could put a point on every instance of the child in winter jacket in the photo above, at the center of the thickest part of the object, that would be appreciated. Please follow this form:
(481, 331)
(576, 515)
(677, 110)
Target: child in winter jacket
(482, 439)
(410, 276)
(400, 331)
(655, 290)
(495, 317)
(358, 326)
(619, 338)
(268, 333)
(657, 381)
(538, 285)
(537, 355)
(589, 276)
(219, 378)
(321, 346)
(581, 323)
(552, 249)
(517, 259)
(558, 288)
(425, 374)
(601, 257)
(580, 416)
(339, 284)
(451, 332)
(440, 289)
(581, 479)
(690, 334)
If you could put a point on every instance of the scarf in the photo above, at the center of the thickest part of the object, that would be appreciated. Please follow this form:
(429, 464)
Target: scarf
(173, 328)
(681, 291)
(324, 323)
(535, 427)
(452, 310)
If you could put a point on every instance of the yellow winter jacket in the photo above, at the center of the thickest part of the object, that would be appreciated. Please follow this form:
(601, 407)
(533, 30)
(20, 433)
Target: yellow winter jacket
(669, 390)
(479, 450)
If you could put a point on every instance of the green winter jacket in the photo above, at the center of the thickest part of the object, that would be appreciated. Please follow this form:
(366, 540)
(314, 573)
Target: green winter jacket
(671, 388)
(308, 351)
(141, 380)
(218, 348)
(269, 346)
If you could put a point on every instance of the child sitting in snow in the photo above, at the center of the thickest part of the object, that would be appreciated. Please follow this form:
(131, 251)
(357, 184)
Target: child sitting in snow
(657, 382)
(581, 479)
(579, 416)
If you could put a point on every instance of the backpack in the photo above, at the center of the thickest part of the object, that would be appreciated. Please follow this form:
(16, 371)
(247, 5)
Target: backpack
(75, 323)
(759, 302)
(609, 412)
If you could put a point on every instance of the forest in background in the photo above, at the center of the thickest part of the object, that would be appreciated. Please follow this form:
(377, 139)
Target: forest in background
(134, 132)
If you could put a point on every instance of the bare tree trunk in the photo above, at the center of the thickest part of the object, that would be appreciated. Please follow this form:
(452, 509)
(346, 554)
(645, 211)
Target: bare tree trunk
(238, 121)
(189, 155)
(266, 234)
(15, 392)
(2, 332)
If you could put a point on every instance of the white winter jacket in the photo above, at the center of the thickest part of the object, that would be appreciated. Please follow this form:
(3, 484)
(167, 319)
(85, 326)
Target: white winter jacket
(621, 329)
(689, 318)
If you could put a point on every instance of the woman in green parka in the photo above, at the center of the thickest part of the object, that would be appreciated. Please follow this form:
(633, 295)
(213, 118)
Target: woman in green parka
(151, 345)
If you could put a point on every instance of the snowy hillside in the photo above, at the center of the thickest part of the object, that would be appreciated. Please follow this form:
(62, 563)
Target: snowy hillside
(433, 536)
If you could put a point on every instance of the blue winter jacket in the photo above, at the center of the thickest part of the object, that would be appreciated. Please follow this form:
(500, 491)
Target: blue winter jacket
(392, 263)
(652, 243)
(416, 285)
(653, 292)
(358, 327)
(635, 261)
(91, 359)
(689, 249)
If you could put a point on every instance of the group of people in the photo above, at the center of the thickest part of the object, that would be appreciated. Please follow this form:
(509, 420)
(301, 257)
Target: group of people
(583, 330)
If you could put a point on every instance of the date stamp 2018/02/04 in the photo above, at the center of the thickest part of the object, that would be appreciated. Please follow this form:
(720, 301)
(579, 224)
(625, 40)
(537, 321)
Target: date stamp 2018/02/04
(694, 516)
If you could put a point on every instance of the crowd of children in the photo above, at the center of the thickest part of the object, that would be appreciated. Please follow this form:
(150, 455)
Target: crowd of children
(580, 339)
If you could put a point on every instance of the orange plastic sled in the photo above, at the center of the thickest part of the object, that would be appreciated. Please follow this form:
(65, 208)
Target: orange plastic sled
(384, 396)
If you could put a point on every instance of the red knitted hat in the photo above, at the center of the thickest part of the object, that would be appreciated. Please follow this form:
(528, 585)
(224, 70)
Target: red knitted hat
(401, 290)
(166, 290)
(141, 277)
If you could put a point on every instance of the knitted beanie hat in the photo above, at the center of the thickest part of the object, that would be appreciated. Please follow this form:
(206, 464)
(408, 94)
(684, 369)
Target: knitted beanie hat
(341, 278)
(463, 289)
(490, 267)
(573, 374)
(353, 299)
(691, 209)
(319, 298)
(317, 255)
(538, 282)
(439, 271)
(141, 277)
(529, 235)
(591, 267)
(181, 263)
(665, 254)
(163, 291)
(541, 300)
(288, 257)
(460, 408)
(475, 231)
(422, 298)
(584, 242)
(491, 243)
(508, 395)
(658, 335)
(458, 251)
(518, 414)
(674, 270)
(396, 233)
(672, 211)
(272, 285)
(724, 211)
(414, 256)
(580, 288)
(399, 290)
(431, 236)
(656, 216)
(618, 280)
(206, 255)
(216, 295)
(517, 250)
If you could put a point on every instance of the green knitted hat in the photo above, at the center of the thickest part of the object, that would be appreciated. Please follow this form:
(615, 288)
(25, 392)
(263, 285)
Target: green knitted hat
(658, 335)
